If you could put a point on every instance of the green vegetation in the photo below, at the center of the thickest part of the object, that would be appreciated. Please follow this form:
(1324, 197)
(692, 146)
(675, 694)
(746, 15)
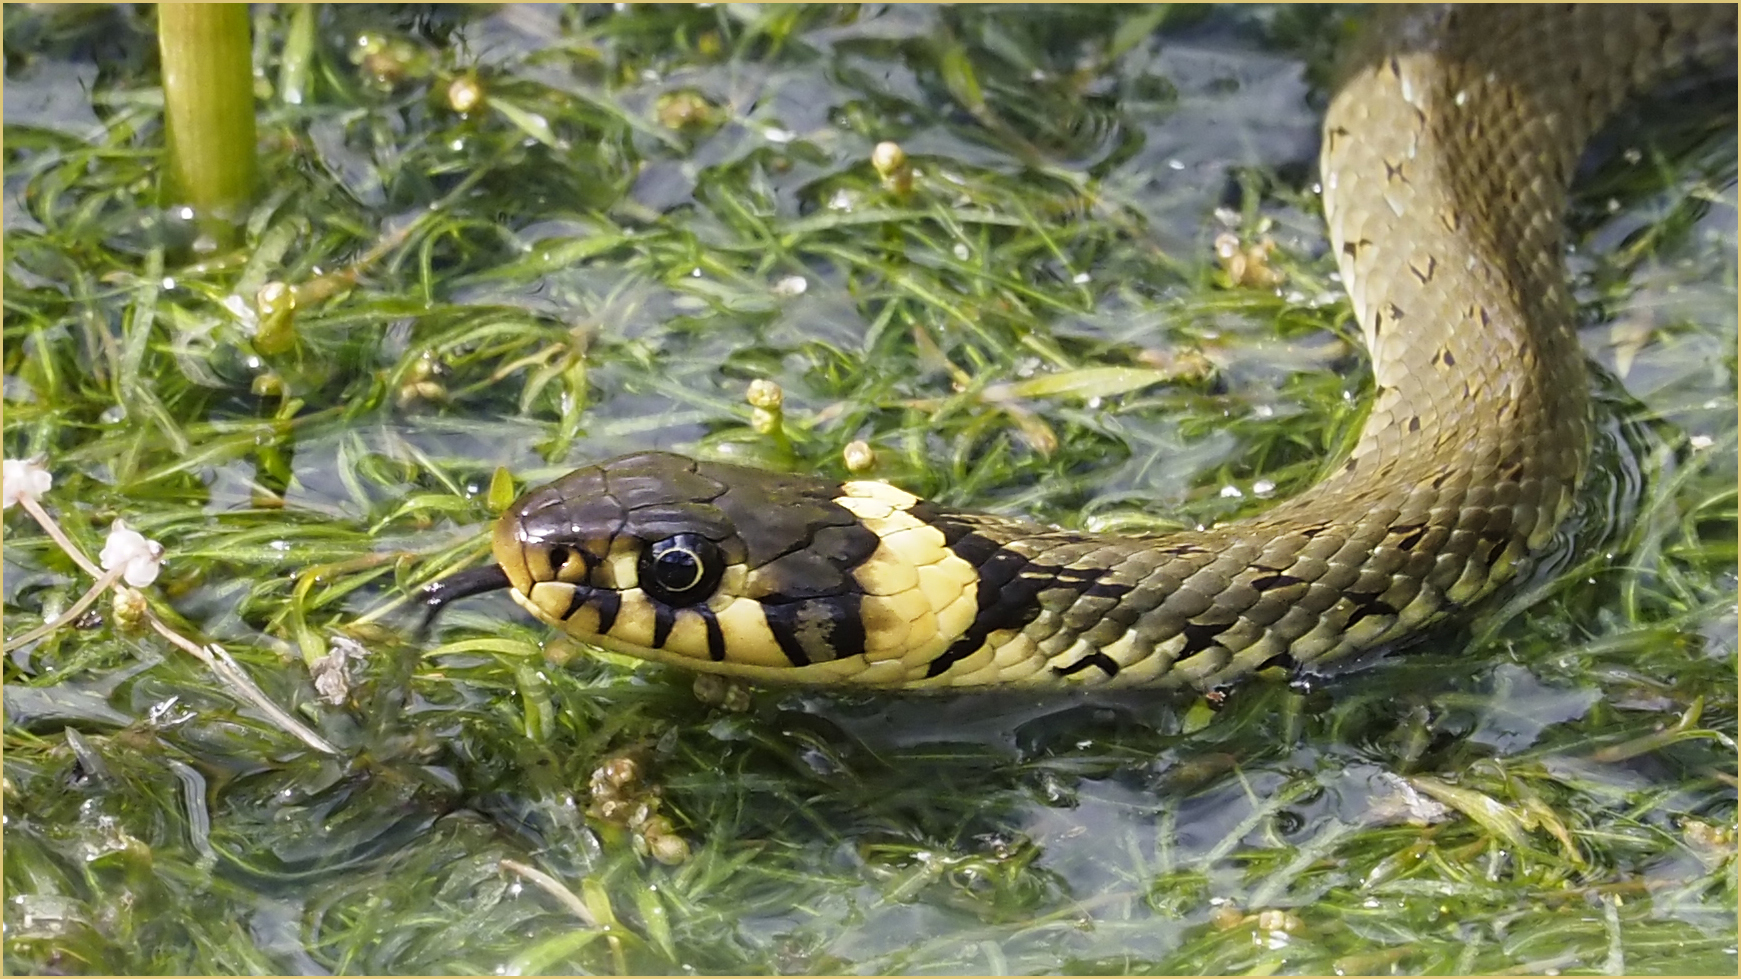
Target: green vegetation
(526, 236)
(208, 108)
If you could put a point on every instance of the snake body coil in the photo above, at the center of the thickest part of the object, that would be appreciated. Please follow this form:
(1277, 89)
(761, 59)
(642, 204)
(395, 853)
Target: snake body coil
(1447, 155)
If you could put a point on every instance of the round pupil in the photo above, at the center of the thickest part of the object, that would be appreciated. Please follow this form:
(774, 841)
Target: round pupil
(681, 570)
(677, 569)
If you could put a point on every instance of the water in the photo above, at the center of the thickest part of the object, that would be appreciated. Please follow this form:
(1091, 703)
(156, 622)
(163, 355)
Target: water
(1065, 215)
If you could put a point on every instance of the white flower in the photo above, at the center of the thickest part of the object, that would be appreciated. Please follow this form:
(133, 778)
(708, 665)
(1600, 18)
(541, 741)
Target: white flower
(128, 549)
(22, 478)
(792, 285)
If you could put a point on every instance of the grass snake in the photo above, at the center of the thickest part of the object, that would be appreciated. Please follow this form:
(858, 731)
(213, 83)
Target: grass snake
(1448, 150)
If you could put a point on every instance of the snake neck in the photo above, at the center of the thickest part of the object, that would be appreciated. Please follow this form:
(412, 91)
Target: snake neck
(1447, 160)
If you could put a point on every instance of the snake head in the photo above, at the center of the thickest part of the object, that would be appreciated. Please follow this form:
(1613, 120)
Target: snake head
(735, 570)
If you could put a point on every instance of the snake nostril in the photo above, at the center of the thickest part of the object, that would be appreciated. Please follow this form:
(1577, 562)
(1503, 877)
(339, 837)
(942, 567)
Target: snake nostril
(567, 563)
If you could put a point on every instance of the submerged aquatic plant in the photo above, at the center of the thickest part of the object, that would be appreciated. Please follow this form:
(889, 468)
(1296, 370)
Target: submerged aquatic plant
(208, 104)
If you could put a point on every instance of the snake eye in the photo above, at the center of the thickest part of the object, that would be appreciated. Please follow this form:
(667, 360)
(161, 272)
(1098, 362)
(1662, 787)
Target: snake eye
(681, 570)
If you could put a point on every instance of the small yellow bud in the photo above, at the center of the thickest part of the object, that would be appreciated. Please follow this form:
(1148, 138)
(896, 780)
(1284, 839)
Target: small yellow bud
(860, 457)
(891, 164)
(888, 158)
(1275, 919)
(765, 394)
(465, 94)
(618, 771)
(669, 850)
(1225, 917)
(686, 110)
(129, 609)
(268, 385)
(276, 304)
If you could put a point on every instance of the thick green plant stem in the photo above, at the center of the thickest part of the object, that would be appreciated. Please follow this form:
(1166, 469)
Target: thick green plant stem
(208, 101)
